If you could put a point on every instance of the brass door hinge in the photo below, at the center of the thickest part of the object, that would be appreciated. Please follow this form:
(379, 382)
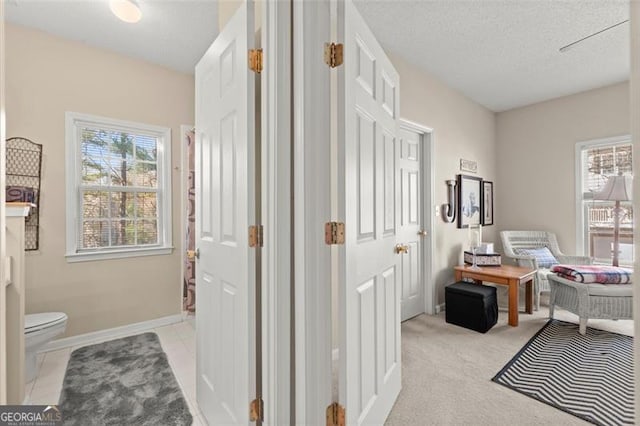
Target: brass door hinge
(333, 54)
(335, 415)
(256, 410)
(255, 60)
(255, 236)
(334, 233)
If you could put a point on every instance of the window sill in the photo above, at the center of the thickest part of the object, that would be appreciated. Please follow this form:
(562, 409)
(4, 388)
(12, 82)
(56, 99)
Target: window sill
(117, 254)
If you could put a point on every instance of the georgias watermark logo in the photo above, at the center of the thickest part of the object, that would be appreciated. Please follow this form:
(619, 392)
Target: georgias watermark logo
(30, 415)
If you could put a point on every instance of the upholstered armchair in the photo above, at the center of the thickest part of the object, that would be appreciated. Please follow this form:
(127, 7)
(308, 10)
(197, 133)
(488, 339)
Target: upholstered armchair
(518, 245)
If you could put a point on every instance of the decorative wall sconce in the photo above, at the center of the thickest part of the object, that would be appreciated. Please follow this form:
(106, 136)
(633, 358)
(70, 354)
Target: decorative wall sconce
(449, 209)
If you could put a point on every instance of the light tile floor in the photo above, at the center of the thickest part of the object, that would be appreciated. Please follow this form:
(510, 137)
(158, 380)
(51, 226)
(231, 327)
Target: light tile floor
(177, 340)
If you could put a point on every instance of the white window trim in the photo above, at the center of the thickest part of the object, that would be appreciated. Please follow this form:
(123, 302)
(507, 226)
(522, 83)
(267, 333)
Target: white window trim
(73, 161)
(581, 235)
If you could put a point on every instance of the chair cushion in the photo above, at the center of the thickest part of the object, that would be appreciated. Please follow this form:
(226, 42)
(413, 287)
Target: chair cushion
(600, 274)
(543, 256)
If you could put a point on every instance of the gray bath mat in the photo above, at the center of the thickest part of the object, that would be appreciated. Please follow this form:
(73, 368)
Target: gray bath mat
(125, 381)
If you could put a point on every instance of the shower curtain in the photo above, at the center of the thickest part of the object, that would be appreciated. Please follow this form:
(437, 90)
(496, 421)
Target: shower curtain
(189, 279)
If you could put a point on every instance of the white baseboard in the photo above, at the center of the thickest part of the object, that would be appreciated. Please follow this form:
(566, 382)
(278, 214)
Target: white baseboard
(110, 333)
(439, 308)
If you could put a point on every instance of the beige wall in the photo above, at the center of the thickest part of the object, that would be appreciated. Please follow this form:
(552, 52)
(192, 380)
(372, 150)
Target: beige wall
(47, 76)
(462, 129)
(536, 157)
(227, 8)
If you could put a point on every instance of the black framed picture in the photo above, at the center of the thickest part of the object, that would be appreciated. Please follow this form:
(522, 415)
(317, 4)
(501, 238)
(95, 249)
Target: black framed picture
(469, 200)
(487, 202)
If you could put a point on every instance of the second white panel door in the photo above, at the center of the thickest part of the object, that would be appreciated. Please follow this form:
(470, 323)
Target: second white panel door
(410, 231)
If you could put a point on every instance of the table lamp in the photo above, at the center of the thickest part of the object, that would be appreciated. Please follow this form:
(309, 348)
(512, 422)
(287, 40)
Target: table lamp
(617, 188)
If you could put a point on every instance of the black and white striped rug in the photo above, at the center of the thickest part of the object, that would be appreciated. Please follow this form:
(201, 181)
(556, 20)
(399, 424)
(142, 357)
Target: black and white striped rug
(588, 376)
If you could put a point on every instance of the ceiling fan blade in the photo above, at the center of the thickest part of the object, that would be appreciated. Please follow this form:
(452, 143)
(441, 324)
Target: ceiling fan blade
(571, 45)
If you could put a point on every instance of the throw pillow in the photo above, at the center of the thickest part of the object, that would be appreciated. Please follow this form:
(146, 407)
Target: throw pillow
(543, 255)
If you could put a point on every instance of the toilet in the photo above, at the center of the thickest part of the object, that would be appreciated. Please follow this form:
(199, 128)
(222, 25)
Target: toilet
(40, 329)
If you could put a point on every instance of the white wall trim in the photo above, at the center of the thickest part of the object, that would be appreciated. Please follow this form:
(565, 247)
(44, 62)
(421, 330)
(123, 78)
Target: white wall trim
(3, 233)
(117, 254)
(580, 147)
(635, 132)
(110, 333)
(312, 199)
(428, 219)
(440, 308)
(276, 167)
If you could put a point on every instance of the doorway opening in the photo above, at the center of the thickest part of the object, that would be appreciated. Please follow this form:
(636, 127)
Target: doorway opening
(416, 225)
(188, 222)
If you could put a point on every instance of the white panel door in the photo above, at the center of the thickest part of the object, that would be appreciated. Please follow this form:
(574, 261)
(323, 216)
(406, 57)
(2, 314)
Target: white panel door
(225, 274)
(368, 196)
(410, 231)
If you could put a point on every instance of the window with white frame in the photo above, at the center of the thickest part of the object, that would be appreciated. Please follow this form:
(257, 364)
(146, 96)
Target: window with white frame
(118, 188)
(596, 161)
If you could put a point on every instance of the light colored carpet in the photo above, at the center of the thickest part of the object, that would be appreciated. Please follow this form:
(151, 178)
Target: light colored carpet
(447, 371)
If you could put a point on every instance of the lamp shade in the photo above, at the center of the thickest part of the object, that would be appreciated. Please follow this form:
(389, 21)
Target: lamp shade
(617, 188)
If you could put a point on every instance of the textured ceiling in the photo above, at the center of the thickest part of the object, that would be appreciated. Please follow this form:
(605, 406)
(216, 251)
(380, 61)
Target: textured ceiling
(500, 53)
(504, 53)
(172, 33)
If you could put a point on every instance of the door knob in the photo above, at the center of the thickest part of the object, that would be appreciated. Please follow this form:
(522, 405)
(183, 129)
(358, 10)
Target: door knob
(193, 254)
(401, 249)
(422, 233)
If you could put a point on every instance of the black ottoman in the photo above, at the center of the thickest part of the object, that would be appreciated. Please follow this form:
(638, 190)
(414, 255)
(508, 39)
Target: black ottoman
(472, 306)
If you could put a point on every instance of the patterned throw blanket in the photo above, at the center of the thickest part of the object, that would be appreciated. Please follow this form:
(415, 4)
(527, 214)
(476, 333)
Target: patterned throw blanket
(588, 274)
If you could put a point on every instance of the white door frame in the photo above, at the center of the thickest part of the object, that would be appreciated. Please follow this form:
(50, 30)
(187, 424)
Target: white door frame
(635, 134)
(3, 232)
(312, 208)
(276, 213)
(427, 171)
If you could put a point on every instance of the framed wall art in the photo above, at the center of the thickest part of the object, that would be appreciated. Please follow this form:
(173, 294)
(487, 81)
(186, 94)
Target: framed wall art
(487, 202)
(469, 200)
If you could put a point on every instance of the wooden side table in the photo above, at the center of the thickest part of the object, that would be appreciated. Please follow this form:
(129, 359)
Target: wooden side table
(511, 276)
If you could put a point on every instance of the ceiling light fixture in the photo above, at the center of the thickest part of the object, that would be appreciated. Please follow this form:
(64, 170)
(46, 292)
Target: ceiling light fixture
(572, 45)
(126, 10)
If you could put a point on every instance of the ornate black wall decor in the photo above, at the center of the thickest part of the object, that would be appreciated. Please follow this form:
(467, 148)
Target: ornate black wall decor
(24, 167)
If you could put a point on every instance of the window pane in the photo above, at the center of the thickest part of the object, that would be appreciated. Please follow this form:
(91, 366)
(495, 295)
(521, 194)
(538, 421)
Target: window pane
(600, 232)
(607, 161)
(146, 148)
(123, 233)
(599, 163)
(121, 171)
(122, 205)
(94, 171)
(147, 205)
(95, 204)
(147, 232)
(146, 175)
(121, 145)
(95, 234)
